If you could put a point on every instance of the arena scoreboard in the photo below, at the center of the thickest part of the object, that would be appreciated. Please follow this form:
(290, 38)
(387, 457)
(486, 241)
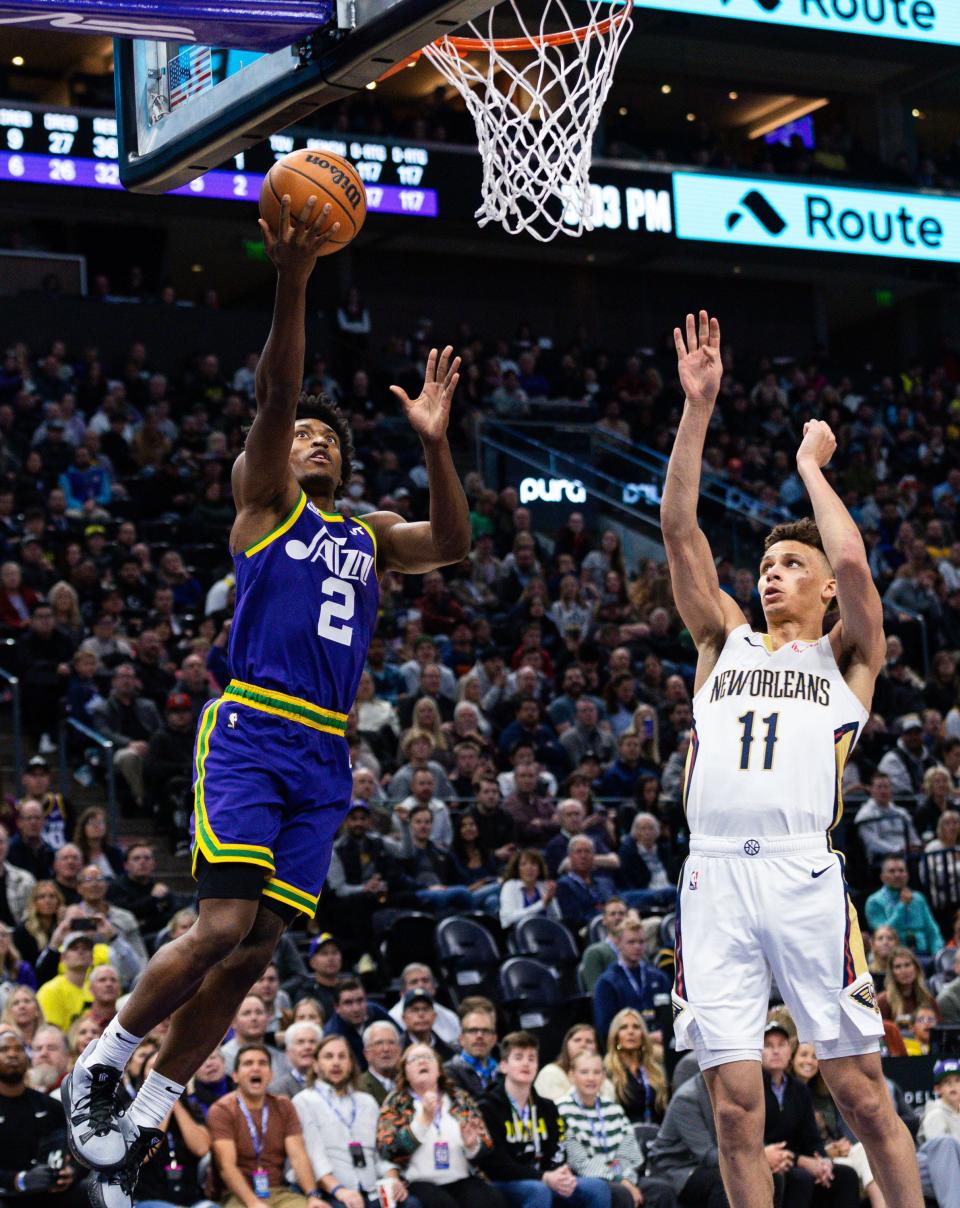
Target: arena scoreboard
(74, 147)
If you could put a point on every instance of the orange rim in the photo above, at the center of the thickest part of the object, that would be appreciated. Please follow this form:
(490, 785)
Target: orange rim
(465, 46)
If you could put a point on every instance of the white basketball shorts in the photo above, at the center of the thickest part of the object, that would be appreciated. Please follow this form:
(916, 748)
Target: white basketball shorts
(755, 907)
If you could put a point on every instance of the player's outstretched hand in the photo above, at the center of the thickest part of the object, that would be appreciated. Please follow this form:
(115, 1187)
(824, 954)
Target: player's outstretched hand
(818, 444)
(698, 359)
(295, 245)
(429, 414)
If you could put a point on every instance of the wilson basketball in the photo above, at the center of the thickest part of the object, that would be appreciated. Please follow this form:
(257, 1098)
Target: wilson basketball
(332, 180)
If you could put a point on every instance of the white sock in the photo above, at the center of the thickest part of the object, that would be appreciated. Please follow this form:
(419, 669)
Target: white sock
(154, 1100)
(114, 1048)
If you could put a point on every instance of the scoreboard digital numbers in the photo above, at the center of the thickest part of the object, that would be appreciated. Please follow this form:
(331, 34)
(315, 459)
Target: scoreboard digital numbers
(70, 147)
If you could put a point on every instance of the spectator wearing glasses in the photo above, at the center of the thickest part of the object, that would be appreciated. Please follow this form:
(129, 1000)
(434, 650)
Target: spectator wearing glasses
(116, 927)
(474, 1067)
(433, 1133)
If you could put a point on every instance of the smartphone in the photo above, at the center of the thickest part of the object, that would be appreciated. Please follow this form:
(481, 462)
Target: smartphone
(84, 925)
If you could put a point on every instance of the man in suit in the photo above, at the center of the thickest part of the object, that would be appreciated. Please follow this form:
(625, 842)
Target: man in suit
(300, 1042)
(580, 893)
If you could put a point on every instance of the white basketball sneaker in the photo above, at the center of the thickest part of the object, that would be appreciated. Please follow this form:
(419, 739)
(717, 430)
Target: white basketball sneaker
(98, 1134)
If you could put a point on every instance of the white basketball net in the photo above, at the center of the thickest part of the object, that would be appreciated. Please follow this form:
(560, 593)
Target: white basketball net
(536, 122)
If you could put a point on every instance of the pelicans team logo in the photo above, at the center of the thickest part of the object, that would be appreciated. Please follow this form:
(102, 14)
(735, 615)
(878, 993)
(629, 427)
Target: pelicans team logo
(866, 996)
(344, 563)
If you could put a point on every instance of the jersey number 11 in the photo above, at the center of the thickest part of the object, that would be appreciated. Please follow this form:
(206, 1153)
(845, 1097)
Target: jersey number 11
(746, 739)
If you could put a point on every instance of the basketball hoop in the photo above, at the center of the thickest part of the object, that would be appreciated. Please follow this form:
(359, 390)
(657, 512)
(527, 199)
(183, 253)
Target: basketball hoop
(536, 114)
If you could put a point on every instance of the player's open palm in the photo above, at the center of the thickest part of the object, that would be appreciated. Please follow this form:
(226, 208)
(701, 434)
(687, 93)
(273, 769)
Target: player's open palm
(295, 245)
(698, 359)
(429, 413)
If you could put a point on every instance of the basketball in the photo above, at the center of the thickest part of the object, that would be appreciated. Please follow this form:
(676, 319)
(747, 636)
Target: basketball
(332, 180)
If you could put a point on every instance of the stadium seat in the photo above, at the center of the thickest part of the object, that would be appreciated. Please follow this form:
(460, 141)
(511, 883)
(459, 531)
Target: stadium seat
(467, 954)
(531, 989)
(943, 963)
(646, 1134)
(550, 942)
(596, 930)
(408, 939)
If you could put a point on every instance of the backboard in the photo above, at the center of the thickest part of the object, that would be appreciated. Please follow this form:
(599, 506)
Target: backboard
(183, 108)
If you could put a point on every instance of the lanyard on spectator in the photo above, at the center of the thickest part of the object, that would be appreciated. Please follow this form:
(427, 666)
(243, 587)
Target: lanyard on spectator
(437, 1114)
(597, 1126)
(485, 1070)
(641, 1077)
(257, 1141)
(527, 1118)
(332, 1101)
(628, 974)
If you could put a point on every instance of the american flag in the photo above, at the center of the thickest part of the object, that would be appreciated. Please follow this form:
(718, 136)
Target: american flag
(189, 73)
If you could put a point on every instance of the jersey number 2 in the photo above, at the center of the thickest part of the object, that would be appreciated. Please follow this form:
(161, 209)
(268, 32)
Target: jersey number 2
(332, 610)
(746, 739)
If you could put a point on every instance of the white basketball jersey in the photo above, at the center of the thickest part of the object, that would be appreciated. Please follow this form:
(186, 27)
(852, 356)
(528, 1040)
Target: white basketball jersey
(772, 730)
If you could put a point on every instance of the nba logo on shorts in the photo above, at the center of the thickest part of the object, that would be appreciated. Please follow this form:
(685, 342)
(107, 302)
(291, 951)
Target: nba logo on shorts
(694, 878)
(232, 721)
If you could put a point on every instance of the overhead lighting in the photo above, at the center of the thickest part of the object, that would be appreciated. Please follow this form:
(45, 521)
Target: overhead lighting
(17, 60)
(622, 111)
(666, 89)
(371, 85)
(691, 117)
(918, 113)
(733, 96)
(791, 110)
(196, 268)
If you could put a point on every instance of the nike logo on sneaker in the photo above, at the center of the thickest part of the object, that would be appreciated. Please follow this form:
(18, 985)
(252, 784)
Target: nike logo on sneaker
(821, 872)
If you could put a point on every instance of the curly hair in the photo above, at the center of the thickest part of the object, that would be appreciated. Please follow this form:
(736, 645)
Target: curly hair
(319, 406)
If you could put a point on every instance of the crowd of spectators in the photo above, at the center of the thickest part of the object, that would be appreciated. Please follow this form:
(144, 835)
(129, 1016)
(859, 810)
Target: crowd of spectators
(518, 745)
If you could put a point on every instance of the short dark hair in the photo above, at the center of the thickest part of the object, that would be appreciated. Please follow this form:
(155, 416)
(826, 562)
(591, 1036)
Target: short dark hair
(134, 847)
(518, 1040)
(319, 406)
(345, 986)
(419, 809)
(804, 531)
(253, 1047)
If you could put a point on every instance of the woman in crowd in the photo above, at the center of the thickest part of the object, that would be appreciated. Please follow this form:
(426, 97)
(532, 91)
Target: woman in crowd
(526, 889)
(570, 610)
(838, 1142)
(14, 971)
(65, 602)
(91, 837)
(80, 1033)
(181, 922)
(620, 698)
(426, 717)
(373, 713)
(211, 1082)
(947, 833)
(553, 1081)
(905, 989)
(170, 1175)
(431, 1130)
(941, 875)
(23, 1014)
(599, 1139)
(340, 1129)
(882, 943)
(939, 796)
(608, 557)
(44, 909)
(638, 1078)
(647, 725)
(473, 864)
(308, 1009)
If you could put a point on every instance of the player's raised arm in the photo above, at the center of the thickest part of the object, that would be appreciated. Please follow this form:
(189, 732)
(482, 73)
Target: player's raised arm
(261, 475)
(424, 545)
(707, 612)
(861, 611)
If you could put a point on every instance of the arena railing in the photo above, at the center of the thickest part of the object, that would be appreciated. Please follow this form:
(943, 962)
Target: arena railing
(16, 719)
(107, 747)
